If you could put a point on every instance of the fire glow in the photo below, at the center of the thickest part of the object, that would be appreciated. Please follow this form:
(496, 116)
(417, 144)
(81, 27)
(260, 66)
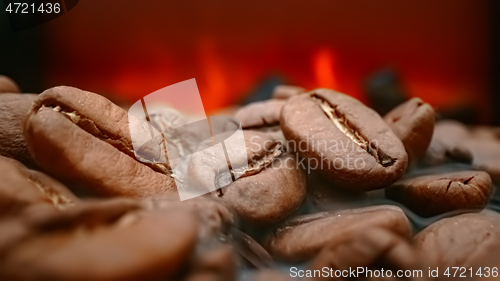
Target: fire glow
(231, 49)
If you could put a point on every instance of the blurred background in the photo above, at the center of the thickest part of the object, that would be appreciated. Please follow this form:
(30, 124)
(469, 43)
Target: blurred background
(446, 52)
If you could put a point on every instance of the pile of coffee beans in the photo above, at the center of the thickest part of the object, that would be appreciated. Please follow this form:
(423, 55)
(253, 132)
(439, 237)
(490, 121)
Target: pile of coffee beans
(329, 187)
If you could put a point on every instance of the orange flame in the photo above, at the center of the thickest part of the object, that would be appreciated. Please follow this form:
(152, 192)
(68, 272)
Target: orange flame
(324, 69)
(215, 83)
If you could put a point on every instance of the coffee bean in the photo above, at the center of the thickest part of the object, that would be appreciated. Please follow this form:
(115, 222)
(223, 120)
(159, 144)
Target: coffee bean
(355, 148)
(21, 187)
(413, 123)
(433, 195)
(286, 91)
(270, 188)
(269, 195)
(7, 85)
(80, 136)
(375, 249)
(132, 245)
(459, 241)
(214, 257)
(13, 111)
(302, 238)
(216, 224)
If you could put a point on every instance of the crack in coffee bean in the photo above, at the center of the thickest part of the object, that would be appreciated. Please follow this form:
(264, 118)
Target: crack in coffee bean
(345, 126)
(468, 180)
(448, 187)
(460, 183)
(163, 125)
(90, 127)
(58, 200)
(223, 179)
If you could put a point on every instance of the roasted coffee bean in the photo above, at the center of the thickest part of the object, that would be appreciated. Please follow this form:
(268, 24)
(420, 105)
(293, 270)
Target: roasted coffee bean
(286, 91)
(7, 85)
(459, 241)
(432, 195)
(212, 259)
(21, 187)
(349, 142)
(413, 123)
(302, 238)
(13, 111)
(217, 223)
(82, 137)
(375, 250)
(111, 239)
(270, 188)
(269, 195)
(39, 218)
(448, 144)
(260, 114)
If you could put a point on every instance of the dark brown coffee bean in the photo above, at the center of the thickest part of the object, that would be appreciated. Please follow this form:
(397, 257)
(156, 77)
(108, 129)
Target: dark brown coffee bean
(302, 238)
(260, 114)
(7, 85)
(21, 187)
(447, 144)
(113, 242)
(80, 136)
(351, 143)
(286, 91)
(432, 195)
(375, 249)
(216, 223)
(270, 188)
(13, 111)
(214, 258)
(269, 195)
(459, 241)
(413, 123)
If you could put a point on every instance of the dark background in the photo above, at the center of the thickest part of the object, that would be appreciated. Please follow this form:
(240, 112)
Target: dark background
(442, 51)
